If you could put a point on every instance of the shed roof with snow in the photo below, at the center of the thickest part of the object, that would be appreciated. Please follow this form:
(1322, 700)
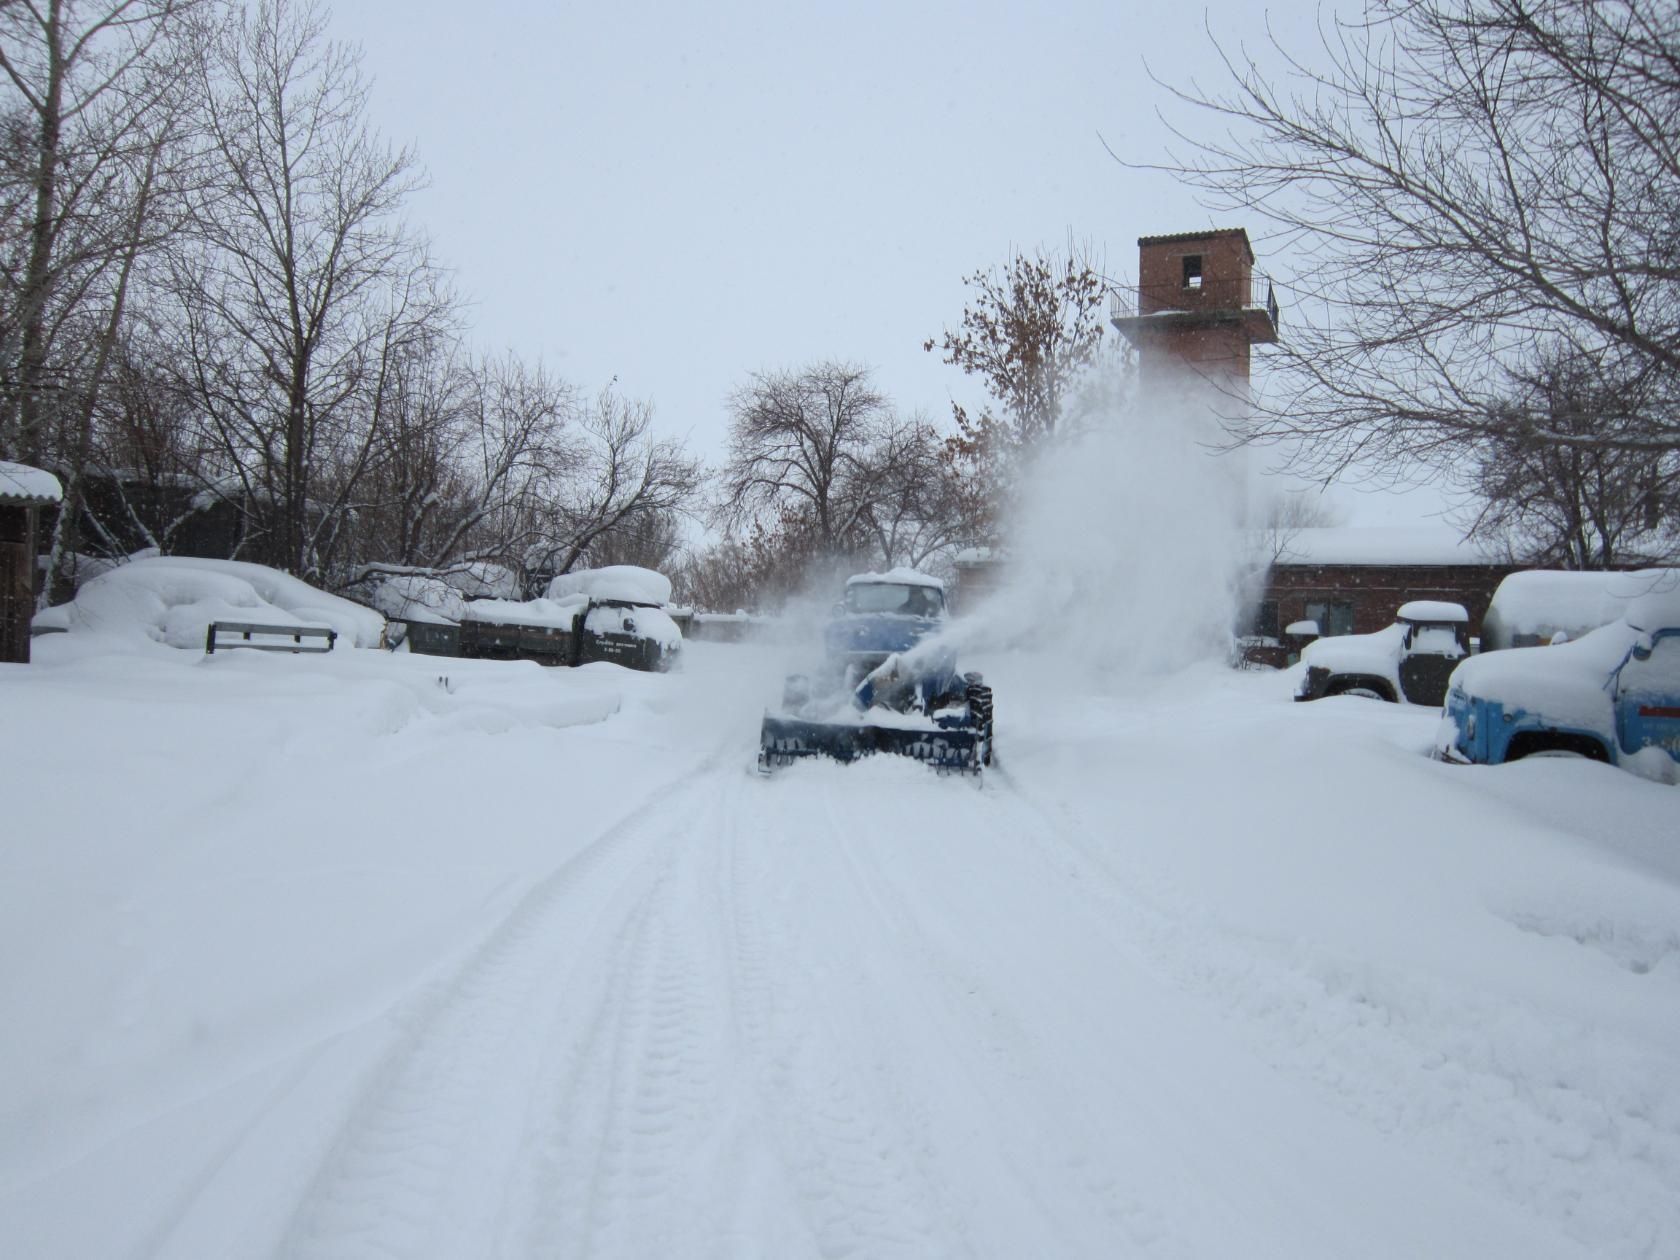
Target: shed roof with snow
(1379, 545)
(23, 486)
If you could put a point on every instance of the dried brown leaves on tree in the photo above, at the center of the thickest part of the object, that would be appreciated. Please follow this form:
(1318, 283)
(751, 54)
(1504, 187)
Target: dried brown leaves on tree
(1030, 334)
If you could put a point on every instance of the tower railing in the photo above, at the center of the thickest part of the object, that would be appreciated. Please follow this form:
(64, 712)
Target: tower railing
(1130, 301)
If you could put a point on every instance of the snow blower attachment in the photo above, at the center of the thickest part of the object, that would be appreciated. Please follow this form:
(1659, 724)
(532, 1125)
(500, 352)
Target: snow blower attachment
(882, 688)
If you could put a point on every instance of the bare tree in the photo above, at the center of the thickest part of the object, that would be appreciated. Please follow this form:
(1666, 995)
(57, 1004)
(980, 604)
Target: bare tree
(89, 94)
(919, 510)
(1285, 516)
(726, 576)
(624, 479)
(302, 286)
(1468, 189)
(803, 450)
(1574, 507)
(475, 458)
(652, 540)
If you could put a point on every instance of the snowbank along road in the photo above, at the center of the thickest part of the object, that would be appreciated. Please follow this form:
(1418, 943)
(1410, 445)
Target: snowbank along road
(371, 955)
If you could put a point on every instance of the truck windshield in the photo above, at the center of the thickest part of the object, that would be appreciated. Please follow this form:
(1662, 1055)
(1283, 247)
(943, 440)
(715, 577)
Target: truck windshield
(894, 597)
(1436, 640)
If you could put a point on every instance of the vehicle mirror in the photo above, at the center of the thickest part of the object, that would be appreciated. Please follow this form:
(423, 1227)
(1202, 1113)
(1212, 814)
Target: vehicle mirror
(1643, 646)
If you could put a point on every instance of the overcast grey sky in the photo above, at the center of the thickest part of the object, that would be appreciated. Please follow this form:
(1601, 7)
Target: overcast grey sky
(679, 195)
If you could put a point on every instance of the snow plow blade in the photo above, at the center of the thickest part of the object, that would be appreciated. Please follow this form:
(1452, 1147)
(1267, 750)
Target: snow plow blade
(950, 749)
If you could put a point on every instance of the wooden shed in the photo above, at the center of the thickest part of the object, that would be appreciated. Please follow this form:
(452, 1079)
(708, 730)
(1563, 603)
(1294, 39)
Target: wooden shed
(24, 491)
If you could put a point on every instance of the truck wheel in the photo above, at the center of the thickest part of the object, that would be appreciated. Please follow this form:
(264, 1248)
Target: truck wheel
(980, 710)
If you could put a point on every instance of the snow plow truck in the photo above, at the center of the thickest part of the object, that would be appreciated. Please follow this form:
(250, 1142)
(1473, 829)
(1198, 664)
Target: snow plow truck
(887, 684)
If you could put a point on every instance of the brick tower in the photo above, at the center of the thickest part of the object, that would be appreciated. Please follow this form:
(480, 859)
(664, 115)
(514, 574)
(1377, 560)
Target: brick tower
(1197, 308)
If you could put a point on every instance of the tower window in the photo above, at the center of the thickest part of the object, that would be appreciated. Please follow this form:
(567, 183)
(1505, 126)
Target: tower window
(1192, 271)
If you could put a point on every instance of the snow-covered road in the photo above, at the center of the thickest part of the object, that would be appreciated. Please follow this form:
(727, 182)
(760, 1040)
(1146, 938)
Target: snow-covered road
(346, 957)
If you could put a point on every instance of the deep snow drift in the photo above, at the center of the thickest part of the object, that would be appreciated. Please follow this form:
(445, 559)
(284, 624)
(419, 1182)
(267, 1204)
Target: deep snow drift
(372, 954)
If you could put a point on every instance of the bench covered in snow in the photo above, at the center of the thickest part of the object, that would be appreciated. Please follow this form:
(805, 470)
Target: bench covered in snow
(291, 638)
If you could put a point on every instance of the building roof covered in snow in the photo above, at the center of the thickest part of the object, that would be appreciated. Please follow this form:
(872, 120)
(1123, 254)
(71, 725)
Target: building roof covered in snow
(1385, 545)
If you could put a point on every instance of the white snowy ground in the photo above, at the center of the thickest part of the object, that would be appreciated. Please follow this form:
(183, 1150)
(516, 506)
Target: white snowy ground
(325, 957)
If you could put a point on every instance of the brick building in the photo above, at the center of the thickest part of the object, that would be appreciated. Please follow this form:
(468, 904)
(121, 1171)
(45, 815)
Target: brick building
(1199, 310)
(1351, 579)
(1197, 306)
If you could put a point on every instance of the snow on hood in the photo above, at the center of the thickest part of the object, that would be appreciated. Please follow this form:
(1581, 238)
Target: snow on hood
(645, 623)
(21, 483)
(418, 597)
(1376, 654)
(1653, 598)
(1567, 682)
(553, 613)
(628, 582)
(649, 622)
(173, 600)
(902, 576)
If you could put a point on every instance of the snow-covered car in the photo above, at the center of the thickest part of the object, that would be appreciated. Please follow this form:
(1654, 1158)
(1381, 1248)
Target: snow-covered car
(1410, 660)
(1612, 695)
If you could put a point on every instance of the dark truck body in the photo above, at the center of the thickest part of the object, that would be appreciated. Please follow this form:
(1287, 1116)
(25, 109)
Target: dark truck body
(1409, 661)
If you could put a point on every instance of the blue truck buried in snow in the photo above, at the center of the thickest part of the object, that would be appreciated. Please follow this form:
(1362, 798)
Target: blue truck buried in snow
(1612, 695)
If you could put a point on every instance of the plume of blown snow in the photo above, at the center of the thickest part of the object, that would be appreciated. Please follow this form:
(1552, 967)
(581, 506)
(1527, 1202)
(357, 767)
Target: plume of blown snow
(1126, 557)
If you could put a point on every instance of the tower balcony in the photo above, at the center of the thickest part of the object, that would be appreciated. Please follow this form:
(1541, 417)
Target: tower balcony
(1143, 311)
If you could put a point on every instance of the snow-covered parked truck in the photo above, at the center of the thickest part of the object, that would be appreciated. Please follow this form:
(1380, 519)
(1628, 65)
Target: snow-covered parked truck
(1410, 660)
(612, 614)
(887, 683)
(1536, 606)
(1612, 695)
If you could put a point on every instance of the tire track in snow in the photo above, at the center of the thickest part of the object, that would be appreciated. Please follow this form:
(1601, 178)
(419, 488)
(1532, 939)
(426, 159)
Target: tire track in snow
(847, 1151)
(625, 1107)
(987, 1055)
(426, 1157)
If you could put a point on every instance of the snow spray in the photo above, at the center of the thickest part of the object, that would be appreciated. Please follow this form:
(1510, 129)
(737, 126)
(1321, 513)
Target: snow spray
(1126, 554)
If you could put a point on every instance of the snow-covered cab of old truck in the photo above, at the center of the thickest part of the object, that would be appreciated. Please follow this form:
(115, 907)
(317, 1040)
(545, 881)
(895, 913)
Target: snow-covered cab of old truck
(1410, 660)
(1612, 695)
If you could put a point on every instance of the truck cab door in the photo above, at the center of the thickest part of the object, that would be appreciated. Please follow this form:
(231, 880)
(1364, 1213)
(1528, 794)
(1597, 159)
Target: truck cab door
(1648, 697)
(1430, 655)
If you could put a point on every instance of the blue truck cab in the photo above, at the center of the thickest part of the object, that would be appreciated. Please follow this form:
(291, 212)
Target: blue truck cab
(888, 683)
(1612, 695)
(882, 614)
